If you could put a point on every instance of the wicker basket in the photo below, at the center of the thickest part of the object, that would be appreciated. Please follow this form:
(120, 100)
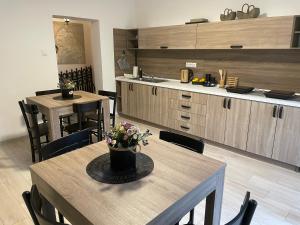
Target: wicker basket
(228, 15)
(243, 14)
(254, 12)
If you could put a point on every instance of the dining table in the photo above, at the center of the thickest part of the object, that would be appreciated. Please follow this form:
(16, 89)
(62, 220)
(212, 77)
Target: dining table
(53, 106)
(180, 180)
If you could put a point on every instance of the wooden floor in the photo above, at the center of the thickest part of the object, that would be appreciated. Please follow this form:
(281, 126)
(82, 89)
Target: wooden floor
(276, 189)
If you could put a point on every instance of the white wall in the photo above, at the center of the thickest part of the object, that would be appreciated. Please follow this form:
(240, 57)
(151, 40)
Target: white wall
(171, 12)
(27, 52)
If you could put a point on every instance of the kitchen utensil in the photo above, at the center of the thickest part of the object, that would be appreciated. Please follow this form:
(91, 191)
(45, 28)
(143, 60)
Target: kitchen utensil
(240, 89)
(228, 15)
(279, 94)
(186, 75)
(232, 81)
(222, 79)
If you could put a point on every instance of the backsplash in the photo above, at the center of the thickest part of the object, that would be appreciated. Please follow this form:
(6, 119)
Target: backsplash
(265, 69)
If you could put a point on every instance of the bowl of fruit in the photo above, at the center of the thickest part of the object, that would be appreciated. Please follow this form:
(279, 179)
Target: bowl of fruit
(198, 80)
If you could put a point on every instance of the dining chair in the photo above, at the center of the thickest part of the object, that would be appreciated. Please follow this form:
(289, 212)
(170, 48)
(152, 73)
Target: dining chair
(188, 143)
(35, 204)
(112, 96)
(245, 215)
(82, 122)
(35, 130)
(66, 144)
(61, 118)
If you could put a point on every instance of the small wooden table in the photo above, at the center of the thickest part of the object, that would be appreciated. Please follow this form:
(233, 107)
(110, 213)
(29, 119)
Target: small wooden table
(52, 109)
(179, 181)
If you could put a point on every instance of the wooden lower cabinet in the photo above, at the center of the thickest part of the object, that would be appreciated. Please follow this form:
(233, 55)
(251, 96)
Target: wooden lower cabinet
(287, 136)
(261, 129)
(129, 99)
(215, 119)
(143, 101)
(237, 123)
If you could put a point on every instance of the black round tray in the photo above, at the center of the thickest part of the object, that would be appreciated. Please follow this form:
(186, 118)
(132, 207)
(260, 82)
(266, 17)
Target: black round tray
(63, 99)
(99, 169)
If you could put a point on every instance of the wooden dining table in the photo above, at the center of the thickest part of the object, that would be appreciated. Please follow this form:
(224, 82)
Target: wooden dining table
(179, 181)
(53, 106)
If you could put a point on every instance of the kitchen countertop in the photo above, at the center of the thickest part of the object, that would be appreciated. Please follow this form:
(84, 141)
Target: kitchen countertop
(253, 96)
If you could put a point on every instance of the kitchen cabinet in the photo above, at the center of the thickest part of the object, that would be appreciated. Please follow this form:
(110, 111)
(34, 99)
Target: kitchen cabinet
(171, 37)
(262, 126)
(237, 122)
(158, 107)
(129, 99)
(287, 136)
(143, 101)
(260, 33)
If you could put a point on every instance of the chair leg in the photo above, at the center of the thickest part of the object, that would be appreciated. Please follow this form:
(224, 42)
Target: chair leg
(47, 138)
(191, 220)
(61, 127)
(32, 154)
(177, 223)
(69, 120)
(61, 218)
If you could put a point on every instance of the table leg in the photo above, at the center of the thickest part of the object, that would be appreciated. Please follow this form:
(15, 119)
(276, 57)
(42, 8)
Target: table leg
(214, 202)
(106, 115)
(53, 124)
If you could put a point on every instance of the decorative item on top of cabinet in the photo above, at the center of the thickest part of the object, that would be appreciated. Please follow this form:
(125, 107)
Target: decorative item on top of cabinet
(228, 15)
(251, 12)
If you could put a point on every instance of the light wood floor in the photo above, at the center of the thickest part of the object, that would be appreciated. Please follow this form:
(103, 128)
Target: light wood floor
(276, 189)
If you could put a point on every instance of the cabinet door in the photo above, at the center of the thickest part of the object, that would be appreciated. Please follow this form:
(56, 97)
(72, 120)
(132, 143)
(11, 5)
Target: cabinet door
(261, 33)
(171, 37)
(261, 129)
(237, 123)
(161, 104)
(125, 97)
(129, 99)
(215, 119)
(287, 136)
(144, 93)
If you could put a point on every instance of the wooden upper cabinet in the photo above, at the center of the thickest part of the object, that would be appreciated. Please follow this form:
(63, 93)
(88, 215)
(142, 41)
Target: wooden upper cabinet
(171, 37)
(260, 33)
(287, 136)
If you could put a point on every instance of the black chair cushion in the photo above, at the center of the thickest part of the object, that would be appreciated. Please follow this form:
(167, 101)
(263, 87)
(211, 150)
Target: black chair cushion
(75, 126)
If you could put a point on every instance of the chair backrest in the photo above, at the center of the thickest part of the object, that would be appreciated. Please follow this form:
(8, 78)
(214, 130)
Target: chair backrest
(34, 204)
(246, 213)
(186, 142)
(32, 121)
(66, 144)
(47, 92)
(112, 96)
(82, 108)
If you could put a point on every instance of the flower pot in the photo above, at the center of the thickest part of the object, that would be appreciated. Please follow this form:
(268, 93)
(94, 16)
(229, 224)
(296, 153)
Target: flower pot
(67, 93)
(122, 158)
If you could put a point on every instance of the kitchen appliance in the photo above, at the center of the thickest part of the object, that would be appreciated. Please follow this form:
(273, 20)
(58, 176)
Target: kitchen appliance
(240, 89)
(186, 75)
(280, 94)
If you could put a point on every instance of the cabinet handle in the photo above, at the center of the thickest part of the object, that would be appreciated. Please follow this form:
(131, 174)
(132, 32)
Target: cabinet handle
(185, 117)
(156, 91)
(280, 112)
(184, 127)
(229, 104)
(224, 103)
(186, 96)
(236, 46)
(163, 47)
(274, 111)
(185, 106)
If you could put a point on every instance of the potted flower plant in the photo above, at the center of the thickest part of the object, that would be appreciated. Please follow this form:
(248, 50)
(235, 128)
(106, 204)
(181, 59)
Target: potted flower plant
(123, 143)
(67, 88)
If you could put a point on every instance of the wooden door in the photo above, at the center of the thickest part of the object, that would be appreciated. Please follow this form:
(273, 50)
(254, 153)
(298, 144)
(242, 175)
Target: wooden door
(124, 97)
(237, 123)
(260, 33)
(287, 136)
(129, 98)
(143, 101)
(215, 119)
(261, 129)
(171, 37)
(161, 104)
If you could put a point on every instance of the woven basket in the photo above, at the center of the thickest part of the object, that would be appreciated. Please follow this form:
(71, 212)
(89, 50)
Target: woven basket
(228, 15)
(254, 12)
(242, 14)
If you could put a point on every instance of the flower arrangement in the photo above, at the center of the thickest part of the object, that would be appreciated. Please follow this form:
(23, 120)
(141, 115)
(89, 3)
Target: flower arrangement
(66, 84)
(126, 135)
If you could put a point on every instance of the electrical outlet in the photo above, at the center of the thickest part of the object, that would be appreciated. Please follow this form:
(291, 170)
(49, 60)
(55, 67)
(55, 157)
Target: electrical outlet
(190, 65)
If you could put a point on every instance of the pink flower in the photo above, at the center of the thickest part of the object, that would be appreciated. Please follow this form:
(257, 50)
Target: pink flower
(125, 137)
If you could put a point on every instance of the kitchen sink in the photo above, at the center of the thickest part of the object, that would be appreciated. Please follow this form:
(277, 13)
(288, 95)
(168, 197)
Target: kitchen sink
(151, 80)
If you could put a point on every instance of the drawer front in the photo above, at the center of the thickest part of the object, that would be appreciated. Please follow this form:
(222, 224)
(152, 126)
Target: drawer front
(189, 128)
(186, 106)
(188, 96)
(187, 117)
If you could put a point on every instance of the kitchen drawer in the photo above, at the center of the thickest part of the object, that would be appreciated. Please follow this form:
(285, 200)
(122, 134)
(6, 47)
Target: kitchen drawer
(188, 117)
(186, 106)
(189, 128)
(188, 96)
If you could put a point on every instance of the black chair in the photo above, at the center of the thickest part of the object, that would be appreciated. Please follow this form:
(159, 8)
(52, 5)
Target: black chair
(112, 96)
(82, 122)
(61, 118)
(66, 144)
(246, 213)
(35, 130)
(186, 142)
(35, 205)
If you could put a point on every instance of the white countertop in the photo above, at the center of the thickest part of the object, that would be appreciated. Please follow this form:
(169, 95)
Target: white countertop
(253, 96)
